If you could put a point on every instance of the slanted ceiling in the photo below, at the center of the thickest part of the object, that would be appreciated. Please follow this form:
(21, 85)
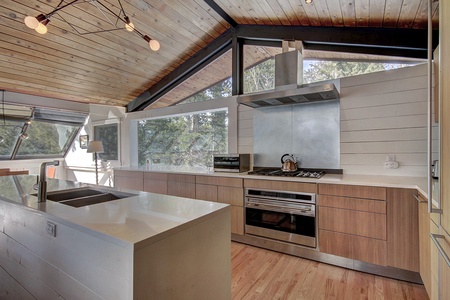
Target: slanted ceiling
(114, 68)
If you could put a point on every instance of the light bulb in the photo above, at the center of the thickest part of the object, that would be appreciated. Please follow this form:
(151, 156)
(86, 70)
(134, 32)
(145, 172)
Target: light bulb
(42, 29)
(154, 45)
(308, 1)
(129, 26)
(31, 22)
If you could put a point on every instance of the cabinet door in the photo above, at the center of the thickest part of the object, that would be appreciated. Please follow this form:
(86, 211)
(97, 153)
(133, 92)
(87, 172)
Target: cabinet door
(206, 192)
(424, 246)
(129, 180)
(444, 282)
(434, 264)
(403, 229)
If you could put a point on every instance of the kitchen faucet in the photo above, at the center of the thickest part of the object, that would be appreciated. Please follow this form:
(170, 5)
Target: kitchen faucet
(42, 185)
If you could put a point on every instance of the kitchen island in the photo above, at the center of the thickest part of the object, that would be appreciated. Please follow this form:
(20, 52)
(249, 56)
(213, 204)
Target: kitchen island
(147, 246)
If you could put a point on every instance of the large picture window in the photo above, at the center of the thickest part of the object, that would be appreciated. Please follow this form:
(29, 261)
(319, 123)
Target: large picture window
(184, 142)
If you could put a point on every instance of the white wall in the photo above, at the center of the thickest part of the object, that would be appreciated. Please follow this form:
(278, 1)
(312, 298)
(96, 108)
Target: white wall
(381, 113)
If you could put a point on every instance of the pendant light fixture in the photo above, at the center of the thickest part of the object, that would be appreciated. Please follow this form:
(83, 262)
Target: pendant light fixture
(40, 22)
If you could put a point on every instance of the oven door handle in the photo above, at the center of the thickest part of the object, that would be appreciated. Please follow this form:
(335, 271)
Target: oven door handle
(277, 208)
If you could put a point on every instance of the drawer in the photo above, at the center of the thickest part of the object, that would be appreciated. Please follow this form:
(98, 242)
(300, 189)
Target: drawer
(155, 176)
(230, 195)
(360, 223)
(181, 178)
(206, 192)
(155, 186)
(366, 192)
(281, 185)
(360, 204)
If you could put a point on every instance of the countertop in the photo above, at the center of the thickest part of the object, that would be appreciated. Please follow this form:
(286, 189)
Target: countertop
(131, 222)
(419, 183)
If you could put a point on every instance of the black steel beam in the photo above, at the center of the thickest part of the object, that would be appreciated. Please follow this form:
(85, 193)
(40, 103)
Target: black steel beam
(221, 12)
(194, 64)
(378, 41)
(237, 69)
(377, 37)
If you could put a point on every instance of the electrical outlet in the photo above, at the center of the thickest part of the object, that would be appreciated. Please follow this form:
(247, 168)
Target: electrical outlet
(51, 228)
(391, 165)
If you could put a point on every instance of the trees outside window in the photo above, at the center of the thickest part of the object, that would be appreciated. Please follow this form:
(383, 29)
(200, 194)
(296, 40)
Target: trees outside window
(183, 143)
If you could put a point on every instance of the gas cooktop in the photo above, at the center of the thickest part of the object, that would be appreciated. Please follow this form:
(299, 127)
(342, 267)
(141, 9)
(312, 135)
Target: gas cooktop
(310, 173)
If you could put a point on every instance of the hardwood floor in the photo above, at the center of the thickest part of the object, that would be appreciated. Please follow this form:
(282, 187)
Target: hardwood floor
(263, 274)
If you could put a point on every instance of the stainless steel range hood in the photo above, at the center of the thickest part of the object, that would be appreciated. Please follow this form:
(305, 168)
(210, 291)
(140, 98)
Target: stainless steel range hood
(288, 85)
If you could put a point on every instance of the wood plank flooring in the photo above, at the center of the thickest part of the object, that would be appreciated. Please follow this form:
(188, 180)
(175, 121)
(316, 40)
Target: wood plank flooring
(264, 274)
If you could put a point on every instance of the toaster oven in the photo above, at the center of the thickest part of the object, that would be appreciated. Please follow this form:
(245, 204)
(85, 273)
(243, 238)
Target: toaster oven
(231, 162)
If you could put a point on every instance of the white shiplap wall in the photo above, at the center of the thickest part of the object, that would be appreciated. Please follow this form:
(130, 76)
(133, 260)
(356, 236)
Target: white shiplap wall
(385, 113)
(381, 113)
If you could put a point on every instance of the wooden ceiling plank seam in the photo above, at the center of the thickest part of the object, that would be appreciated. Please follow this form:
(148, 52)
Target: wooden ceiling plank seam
(348, 12)
(298, 9)
(335, 11)
(324, 14)
(289, 12)
(392, 13)
(45, 73)
(60, 59)
(269, 12)
(209, 15)
(51, 82)
(408, 13)
(40, 87)
(239, 14)
(421, 18)
(166, 16)
(257, 14)
(313, 15)
(280, 13)
(377, 9)
(362, 13)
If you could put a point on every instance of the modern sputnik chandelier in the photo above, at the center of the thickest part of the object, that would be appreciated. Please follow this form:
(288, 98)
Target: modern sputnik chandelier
(40, 22)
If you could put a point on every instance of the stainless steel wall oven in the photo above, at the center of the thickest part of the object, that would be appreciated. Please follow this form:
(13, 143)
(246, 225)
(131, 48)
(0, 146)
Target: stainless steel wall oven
(280, 215)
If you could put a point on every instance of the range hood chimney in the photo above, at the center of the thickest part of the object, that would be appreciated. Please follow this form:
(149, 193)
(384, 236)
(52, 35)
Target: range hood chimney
(289, 87)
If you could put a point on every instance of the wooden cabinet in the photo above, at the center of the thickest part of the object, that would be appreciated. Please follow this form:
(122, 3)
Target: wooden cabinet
(133, 180)
(224, 190)
(181, 185)
(444, 268)
(352, 222)
(403, 229)
(424, 243)
(155, 182)
(281, 185)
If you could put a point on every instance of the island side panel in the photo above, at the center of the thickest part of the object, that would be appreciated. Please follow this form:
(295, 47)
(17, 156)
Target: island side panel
(72, 265)
(192, 264)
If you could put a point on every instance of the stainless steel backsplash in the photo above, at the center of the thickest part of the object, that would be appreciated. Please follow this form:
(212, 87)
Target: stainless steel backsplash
(309, 131)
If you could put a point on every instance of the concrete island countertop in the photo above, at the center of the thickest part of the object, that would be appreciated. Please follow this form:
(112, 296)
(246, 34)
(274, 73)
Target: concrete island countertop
(131, 222)
(419, 183)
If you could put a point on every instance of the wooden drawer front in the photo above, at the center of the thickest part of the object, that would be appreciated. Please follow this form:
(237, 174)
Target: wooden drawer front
(228, 181)
(230, 195)
(155, 186)
(131, 183)
(375, 206)
(353, 222)
(206, 192)
(354, 247)
(281, 185)
(212, 180)
(181, 178)
(155, 176)
(181, 189)
(134, 174)
(369, 250)
(335, 243)
(366, 192)
(237, 220)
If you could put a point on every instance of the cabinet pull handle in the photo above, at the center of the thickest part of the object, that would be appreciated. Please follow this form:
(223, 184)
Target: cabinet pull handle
(418, 199)
(430, 104)
(434, 238)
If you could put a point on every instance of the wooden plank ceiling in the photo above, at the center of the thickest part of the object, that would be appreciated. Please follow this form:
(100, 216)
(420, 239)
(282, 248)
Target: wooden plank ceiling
(113, 68)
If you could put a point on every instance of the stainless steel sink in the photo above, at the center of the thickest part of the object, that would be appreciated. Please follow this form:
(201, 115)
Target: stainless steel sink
(86, 196)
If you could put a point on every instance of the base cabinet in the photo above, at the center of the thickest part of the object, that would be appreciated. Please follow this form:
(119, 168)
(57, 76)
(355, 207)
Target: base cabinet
(424, 244)
(352, 222)
(133, 180)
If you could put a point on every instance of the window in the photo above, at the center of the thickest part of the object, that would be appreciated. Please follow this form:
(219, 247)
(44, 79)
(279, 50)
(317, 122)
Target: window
(211, 82)
(184, 142)
(109, 135)
(31, 132)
